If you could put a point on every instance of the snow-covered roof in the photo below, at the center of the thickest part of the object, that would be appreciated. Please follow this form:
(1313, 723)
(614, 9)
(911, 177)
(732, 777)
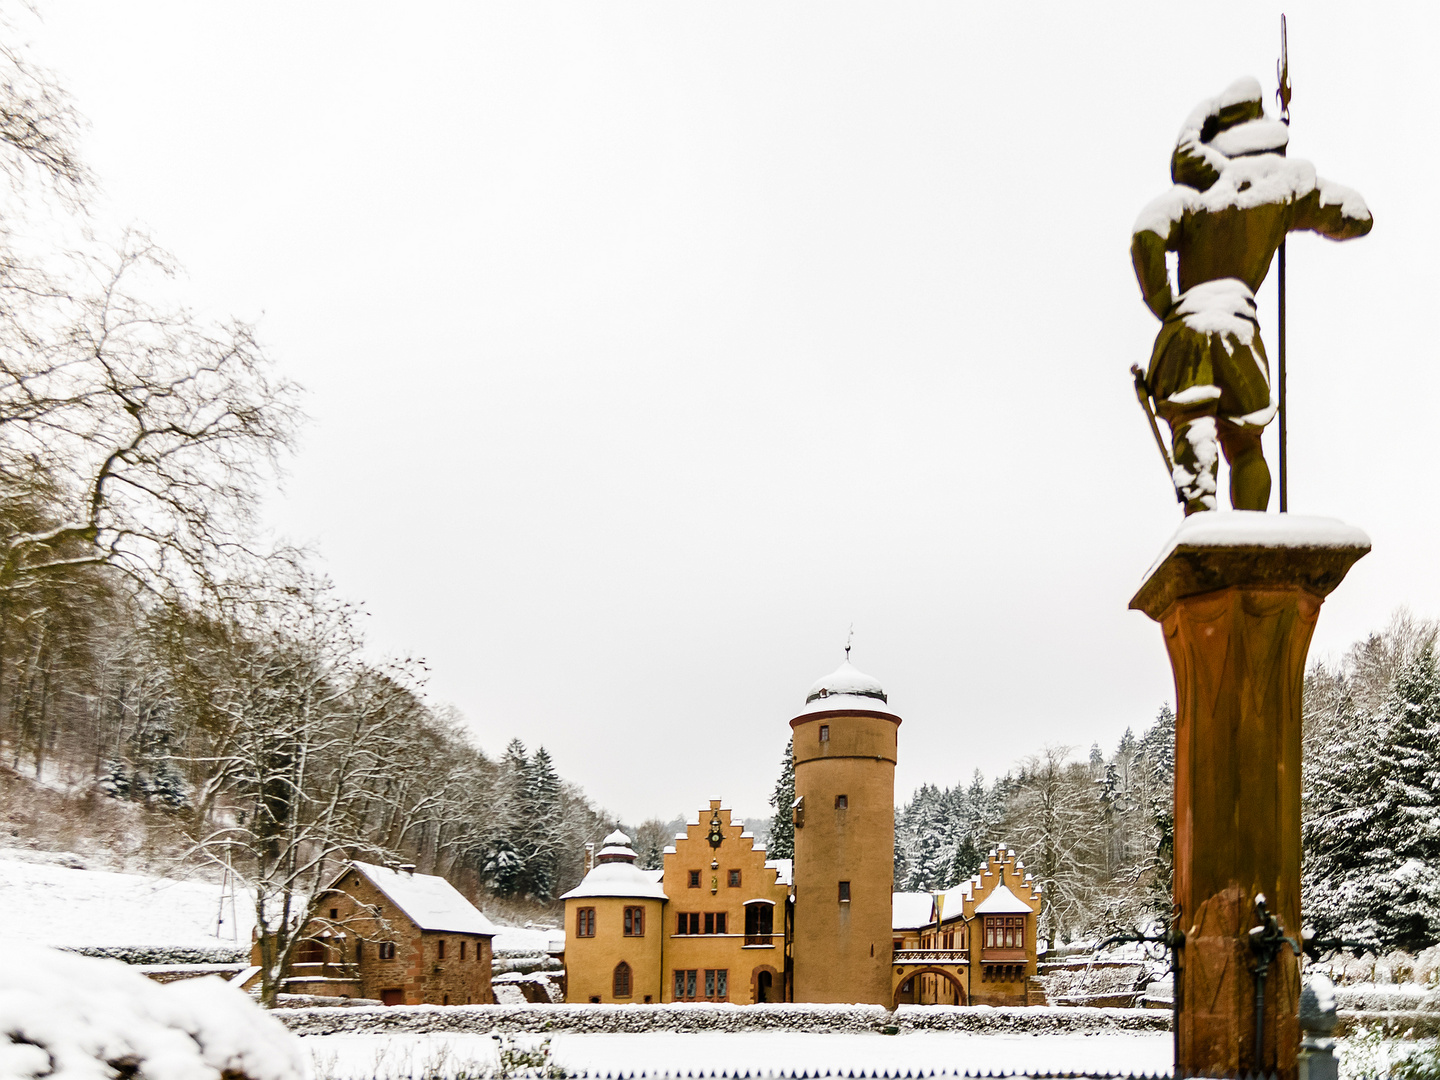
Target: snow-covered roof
(784, 870)
(428, 901)
(618, 879)
(849, 680)
(952, 900)
(1002, 902)
(617, 839)
(910, 910)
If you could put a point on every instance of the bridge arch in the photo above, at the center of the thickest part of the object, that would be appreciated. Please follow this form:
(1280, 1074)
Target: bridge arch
(927, 969)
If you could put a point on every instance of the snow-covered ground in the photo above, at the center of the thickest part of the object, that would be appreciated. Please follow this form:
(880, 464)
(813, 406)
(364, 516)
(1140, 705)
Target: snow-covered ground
(52, 904)
(48, 902)
(520, 939)
(395, 1057)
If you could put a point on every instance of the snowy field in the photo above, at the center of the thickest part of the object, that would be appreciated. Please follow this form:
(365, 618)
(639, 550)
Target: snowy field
(397, 1057)
(48, 903)
(51, 904)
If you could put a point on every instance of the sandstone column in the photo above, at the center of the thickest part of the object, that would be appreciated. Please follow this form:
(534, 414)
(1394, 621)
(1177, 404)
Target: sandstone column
(1237, 595)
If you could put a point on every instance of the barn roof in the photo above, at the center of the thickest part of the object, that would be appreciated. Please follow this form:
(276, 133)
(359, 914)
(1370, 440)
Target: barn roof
(428, 901)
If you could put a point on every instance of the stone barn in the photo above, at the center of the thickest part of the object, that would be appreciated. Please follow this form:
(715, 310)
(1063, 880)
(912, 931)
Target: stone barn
(395, 936)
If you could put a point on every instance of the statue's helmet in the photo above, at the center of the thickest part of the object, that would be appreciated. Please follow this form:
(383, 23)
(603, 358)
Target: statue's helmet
(1231, 124)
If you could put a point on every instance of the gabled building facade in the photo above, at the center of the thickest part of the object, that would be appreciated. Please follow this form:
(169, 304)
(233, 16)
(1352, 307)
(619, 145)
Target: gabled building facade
(396, 936)
(709, 926)
(978, 944)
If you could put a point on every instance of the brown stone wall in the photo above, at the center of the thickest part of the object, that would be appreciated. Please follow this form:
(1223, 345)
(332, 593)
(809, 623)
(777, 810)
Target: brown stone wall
(416, 970)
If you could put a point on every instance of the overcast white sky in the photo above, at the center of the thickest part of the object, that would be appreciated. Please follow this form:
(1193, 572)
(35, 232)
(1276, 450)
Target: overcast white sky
(650, 346)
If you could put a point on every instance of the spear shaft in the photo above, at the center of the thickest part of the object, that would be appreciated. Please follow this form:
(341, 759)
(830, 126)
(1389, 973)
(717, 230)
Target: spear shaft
(1282, 70)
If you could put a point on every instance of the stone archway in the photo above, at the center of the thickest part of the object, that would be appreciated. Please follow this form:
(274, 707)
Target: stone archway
(765, 978)
(949, 976)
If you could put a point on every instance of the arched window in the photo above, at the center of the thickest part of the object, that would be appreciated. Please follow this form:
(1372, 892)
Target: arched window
(622, 980)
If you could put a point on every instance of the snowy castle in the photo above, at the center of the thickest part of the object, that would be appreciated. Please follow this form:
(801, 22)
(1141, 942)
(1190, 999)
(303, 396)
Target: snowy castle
(721, 922)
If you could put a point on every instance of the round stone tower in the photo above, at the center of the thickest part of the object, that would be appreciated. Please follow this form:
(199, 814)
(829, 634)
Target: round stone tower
(845, 743)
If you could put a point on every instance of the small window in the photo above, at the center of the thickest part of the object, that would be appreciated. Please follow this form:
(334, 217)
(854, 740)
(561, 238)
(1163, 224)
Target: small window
(824, 732)
(359, 949)
(842, 802)
(440, 949)
(462, 950)
(334, 914)
(694, 879)
(622, 980)
(585, 922)
(734, 879)
(634, 923)
(688, 922)
(387, 950)
(844, 892)
(594, 999)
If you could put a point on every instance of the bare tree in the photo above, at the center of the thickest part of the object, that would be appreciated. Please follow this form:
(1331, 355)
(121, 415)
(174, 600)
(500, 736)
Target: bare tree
(1051, 819)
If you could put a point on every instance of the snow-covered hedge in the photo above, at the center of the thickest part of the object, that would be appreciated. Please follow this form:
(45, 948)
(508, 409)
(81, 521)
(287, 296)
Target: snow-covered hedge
(63, 1015)
(165, 954)
(524, 963)
(634, 1019)
(1031, 1020)
(586, 1019)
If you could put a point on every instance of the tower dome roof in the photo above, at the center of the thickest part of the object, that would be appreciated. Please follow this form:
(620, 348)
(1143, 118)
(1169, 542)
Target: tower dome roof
(847, 679)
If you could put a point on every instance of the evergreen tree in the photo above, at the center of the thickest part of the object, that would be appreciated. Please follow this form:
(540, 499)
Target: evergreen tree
(968, 858)
(1375, 843)
(782, 826)
(539, 837)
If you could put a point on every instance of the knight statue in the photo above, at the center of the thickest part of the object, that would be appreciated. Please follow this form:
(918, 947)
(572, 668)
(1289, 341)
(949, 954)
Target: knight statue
(1235, 197)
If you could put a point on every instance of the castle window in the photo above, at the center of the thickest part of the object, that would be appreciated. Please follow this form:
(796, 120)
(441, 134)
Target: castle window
(715, 922)
(359, 948)
(734, 879)
(387, 950)
(462, 950)
(717, 984)
(694, 879)
(844, 892)
(687, 922)
(824, 732)
(684, 984)
(334, 914)
(622, 980)
(585, 922)
(842, 802)
(440, 949)
(759, 923)
(634, 922)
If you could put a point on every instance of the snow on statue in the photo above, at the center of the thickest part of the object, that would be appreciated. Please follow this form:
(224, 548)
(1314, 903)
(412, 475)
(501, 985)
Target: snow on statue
(1234, 199)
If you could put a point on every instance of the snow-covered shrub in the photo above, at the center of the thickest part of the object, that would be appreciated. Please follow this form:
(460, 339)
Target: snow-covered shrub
(1029, 1020)
(589, 1019)
(165, 954)
(64, 1015)
(686, 1017)
(1427, 966)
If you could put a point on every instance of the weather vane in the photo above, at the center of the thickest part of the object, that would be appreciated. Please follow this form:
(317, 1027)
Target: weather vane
(850, 637)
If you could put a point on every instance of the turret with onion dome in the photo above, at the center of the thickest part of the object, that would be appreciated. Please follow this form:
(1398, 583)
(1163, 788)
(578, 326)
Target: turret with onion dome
(845, 745)
(615, 873)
